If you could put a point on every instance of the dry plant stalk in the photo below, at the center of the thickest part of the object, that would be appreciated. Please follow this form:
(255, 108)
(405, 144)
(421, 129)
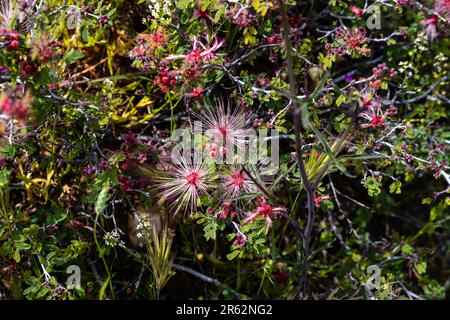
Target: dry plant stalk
(159, 249)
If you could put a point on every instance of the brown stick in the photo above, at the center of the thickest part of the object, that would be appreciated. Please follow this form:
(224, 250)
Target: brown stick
(89, 68)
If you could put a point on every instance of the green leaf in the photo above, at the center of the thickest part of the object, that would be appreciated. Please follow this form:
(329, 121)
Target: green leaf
(364, 156)
(73, 56)
(396, 187)
(210, 229)
(9, 151)
(46, 76)
(16, 256)
(340, 100)
(4, 178)
(56, 217)
(101, 294)
(233, 254)
(421, 267)
(112, 12)
(85, 34)
(102, 198)
(373, 186)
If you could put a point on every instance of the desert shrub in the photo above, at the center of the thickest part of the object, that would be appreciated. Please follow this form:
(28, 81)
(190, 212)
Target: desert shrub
(347, 198)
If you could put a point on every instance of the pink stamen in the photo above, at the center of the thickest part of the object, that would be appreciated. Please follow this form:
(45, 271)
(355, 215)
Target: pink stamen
(237, 178)
(193, 178)
(377, 121)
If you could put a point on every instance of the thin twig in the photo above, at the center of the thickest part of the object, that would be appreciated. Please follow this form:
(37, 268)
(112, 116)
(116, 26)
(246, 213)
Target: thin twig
(205, 278)
(425, 94)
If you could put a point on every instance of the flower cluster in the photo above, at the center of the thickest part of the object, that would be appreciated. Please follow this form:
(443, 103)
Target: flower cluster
(374, 115)
(266, 211)
(161, 11)
(240, 15)
(12, 38)
(120, 119)
(166, 78)
(18, 108)
(349, 41)
(146, 48)
(184, 184)
(112, 239)
(442, 7)
(382, 70)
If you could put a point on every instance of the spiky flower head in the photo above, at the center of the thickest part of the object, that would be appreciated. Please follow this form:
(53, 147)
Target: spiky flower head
(374, 115)
(8, 14)
(226, 125)
(184, 183)
(236, 183)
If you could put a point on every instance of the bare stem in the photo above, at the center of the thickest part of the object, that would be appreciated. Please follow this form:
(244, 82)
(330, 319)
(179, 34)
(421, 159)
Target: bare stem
(301, 289)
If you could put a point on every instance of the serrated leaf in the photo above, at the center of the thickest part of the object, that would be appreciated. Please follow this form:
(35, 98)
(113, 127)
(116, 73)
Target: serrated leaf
(72, 56)
(210, 230)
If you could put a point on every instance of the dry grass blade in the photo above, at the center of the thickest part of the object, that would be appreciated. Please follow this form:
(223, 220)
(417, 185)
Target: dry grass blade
(159, 248)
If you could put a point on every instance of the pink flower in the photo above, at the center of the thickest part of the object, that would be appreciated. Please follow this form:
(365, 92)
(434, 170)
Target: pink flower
(274, 39)
(265, 210)
(374, 115)
(240, 240)
(430, 21)
(203, 15)
(185, 183)
(236, 184)
(351, 41)
(6, 105)
(442, 7)
(18, 109)
(197, 92)
(319, 199)
(365, 101)
(13, 44)
(375, 84)
(226, 126)
(227, 211)
(403, 3)
(356, 11)
(430, 25)
(199, 51)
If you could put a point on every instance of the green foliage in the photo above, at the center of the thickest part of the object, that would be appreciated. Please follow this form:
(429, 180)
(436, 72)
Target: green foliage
(92, 94)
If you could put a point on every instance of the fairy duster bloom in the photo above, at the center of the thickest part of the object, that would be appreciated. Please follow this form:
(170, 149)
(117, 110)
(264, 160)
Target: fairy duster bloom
(374, 115)
(236, 183)
(442, 7)
(8, 13)
(199, 51)
(184, 183)
(430, 25)
(265, 210)
(226, 124)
